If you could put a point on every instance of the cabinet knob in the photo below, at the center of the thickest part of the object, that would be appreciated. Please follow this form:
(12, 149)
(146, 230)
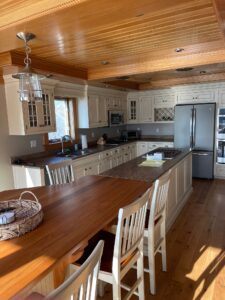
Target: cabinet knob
(85, 169)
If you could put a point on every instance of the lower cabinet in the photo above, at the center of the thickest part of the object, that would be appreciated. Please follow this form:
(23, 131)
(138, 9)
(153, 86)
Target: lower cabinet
(144, 147)
(27, 177)
(86, 166)
(179, 189)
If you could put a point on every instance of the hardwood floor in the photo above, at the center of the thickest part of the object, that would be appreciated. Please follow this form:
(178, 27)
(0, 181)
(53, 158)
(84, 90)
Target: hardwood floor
(195, 249)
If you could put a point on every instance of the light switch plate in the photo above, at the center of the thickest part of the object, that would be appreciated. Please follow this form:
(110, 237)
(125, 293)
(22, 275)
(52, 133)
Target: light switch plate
(33, 143)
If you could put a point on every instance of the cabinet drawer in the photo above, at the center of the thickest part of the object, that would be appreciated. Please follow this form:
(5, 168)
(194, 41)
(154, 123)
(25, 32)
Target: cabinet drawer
(104, 155)
(115, 152)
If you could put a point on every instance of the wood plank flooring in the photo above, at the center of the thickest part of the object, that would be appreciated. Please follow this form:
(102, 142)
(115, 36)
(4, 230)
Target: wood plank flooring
(195, 249)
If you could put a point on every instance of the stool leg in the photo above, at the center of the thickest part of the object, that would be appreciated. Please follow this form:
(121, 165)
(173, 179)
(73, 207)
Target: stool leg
(140, 274)
(151, 263)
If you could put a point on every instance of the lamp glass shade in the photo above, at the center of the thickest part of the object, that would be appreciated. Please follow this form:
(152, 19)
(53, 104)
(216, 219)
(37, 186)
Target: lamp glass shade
(29, 87)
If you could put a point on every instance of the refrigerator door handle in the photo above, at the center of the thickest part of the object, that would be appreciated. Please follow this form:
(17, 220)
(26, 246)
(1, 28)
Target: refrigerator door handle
(191, 129)
(194, 126)
(200, 154)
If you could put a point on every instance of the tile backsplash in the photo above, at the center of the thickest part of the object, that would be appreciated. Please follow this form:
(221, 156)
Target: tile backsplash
(146, 129)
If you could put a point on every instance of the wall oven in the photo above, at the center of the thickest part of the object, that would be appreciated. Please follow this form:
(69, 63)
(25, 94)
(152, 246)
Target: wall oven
(116, 118)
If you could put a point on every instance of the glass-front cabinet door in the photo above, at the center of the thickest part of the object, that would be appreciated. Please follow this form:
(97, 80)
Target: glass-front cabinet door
(132, 111)
(39, 116)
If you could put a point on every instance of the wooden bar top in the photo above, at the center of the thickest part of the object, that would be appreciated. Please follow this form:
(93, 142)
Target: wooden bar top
(73, 213)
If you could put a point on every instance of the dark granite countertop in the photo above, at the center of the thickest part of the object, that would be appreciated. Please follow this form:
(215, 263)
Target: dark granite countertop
(42, 159)
(132, 170)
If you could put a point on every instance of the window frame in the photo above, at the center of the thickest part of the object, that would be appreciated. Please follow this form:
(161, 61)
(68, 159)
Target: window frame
(73, 126)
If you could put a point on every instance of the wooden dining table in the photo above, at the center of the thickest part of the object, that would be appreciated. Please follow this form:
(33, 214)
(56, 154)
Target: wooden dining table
(73, 213)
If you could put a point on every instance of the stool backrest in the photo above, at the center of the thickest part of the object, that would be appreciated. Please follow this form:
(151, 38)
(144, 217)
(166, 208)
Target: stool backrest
(60, 173)
(130, 228)
(158, 198)
(82, 283)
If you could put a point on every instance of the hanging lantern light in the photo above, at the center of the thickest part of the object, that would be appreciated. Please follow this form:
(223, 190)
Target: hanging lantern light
(29, 82)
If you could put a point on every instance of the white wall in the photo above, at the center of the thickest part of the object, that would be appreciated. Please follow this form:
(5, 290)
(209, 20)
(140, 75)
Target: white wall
(11, 146)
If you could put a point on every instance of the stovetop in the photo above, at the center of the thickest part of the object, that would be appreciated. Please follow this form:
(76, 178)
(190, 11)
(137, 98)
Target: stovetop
(169, 153)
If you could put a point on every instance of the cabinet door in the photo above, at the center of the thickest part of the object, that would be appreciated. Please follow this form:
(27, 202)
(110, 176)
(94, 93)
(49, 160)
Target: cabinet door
(132, 111)
(146, 109)
(142, 148)
(197, 96)
(93, 110)
(92, 169)
(105, 164)
(102, 111)
(39, 116)
(167, 100)
(222, 97)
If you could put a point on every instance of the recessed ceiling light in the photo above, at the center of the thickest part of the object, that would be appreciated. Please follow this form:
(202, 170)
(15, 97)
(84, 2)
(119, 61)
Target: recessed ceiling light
(184, 69)
(179, 50)
(122, 77)
(202, 72)
(104, 62)
(140, 15)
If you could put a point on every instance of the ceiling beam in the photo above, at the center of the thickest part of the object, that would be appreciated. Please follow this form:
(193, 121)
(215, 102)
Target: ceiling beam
(163, 64)
(131, 85)
(17, 59)
(182, 80)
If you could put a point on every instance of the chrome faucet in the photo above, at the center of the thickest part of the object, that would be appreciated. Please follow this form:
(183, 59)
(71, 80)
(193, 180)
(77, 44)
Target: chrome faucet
(65, 138)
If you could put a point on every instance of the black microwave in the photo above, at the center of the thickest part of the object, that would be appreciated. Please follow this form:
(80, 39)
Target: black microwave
(115, 118)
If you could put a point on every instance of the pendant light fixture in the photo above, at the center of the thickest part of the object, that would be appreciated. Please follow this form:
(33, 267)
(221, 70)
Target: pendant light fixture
(29, 82)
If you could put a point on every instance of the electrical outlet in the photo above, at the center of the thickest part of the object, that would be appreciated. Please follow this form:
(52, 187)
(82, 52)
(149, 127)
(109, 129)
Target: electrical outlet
(157, 130)
(118, 131)
(138, 128)
(92, 134)
(33, 143)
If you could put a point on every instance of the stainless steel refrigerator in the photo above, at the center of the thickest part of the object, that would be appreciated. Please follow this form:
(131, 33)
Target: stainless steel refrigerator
(194, 128)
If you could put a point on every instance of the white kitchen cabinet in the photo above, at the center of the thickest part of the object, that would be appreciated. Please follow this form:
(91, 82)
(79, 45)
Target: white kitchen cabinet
(145, 109)
(33, 117)
(114, 103)
(27, 177)
(132, 110)
(219, 171)
(97, 111)
(142, 148)
(221, 97)
(86, 166)
(200, 96)
(105, 161)
(164, 100)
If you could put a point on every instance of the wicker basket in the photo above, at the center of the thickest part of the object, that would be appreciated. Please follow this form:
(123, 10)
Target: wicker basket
(28, 215)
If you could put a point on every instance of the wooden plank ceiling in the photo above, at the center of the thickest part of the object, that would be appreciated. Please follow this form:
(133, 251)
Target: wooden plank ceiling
(102, 40)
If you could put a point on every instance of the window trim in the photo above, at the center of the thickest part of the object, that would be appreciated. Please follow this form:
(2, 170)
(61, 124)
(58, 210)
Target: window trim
(55, 146)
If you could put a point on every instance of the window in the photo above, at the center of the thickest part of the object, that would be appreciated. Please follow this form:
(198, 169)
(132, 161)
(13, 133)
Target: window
(65, 120)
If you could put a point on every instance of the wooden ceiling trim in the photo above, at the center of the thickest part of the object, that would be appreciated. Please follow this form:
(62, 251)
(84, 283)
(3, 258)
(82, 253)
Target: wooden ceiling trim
(5, 59)
(184, 80)
(17, 12)
(163, 64)
(17, 59)
(124, 84)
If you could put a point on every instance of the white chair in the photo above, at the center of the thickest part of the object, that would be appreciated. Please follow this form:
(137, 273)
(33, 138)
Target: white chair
(123, 250)
(156, 227)
(60, 173)
(81, 284)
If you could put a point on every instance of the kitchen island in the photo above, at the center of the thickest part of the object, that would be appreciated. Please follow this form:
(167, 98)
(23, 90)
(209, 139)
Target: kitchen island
(180, 182)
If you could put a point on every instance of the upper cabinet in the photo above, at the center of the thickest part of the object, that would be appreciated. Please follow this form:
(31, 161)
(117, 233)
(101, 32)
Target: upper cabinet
(33, 117)
(93, 109)
(97, 111)
(199, 96)
(132, 110)
(145, 109)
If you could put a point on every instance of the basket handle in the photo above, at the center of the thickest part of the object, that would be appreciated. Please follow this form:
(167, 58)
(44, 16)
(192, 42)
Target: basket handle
(28, 192)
